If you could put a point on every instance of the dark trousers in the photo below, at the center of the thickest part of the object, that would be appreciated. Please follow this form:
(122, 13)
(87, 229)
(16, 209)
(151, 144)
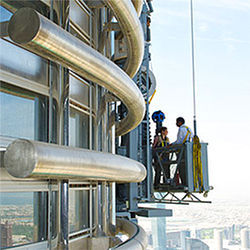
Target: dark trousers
(182, 169)
(158, 172)
(182, 173)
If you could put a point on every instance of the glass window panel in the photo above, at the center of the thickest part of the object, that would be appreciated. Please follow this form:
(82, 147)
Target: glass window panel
(78, 91)
(78, 16)
(73, 131)
(54, 121)
(93, 134)
(23, 218)
(78, 210)
(30, 66)
(5, 15)
(17, 116)
(79, 129)
(22, 113)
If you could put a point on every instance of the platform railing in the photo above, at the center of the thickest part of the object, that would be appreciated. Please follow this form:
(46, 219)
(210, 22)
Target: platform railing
(177, 170)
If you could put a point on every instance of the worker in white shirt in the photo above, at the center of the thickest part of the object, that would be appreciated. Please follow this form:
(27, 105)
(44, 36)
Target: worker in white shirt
(185, 134)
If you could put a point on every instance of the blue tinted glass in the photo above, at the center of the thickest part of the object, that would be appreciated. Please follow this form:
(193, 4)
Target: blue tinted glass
(17, 117)
(4, 14)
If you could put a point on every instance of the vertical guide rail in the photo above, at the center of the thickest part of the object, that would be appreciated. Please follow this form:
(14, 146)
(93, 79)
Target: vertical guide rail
(140, 126)
(50, 132)
(49, 215)
(64, 119)
(147, 115)
(139, 78)
(64, 214)
(91, 209)
(51, 17)
(193, 66)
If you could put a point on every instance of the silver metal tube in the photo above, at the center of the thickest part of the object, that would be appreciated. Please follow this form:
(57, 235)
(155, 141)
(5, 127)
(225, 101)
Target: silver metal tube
(64, 214)
(99, 212)
(137, 236)
(24, 158)
(38, 34)
(138, 6)
(104, 208)
(112, 203)
(96, 209)
(91, 209)
(130, 24)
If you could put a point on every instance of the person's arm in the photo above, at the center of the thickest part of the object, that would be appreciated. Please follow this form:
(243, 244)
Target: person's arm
(156, 139)
(168, 141)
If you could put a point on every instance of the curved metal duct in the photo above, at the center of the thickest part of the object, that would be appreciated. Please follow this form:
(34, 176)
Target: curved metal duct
(137, 236)
(38, 34)
(138, 6)
(99, 4)
(152, 82)
(25, 158)
(130, 24)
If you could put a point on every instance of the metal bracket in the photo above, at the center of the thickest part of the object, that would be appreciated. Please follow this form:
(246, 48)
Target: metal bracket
(95, 3)
(4, 29)
(185, 200)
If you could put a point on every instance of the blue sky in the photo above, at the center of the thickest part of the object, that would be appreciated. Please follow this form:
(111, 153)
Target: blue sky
(222, 64)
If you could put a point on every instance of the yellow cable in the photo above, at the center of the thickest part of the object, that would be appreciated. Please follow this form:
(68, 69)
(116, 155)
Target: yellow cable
(152, 97)
(197, 164)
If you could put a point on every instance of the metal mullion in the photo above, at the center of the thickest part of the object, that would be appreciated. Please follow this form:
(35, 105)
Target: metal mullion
(79, 188)
(24, 83)
(78, 109)
(78, 182)
(90, 118)
(10, 186)
(90, 210)
(80, 79)
(79, 232)
(83, 35)
(96, 208)
(78, 238)
(49, 217)
(83, 6)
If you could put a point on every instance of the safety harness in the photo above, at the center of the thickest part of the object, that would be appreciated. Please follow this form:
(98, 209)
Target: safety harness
(163, 142)
(188, 133)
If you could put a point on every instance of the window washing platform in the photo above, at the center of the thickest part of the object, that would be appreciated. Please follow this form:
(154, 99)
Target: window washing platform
(177, 161)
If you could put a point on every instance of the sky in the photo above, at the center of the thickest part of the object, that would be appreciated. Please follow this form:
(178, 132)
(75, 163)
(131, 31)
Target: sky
(222, 73)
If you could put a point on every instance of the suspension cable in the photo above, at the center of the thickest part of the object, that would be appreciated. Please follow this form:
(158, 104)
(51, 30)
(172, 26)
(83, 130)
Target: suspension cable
(193, 64)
